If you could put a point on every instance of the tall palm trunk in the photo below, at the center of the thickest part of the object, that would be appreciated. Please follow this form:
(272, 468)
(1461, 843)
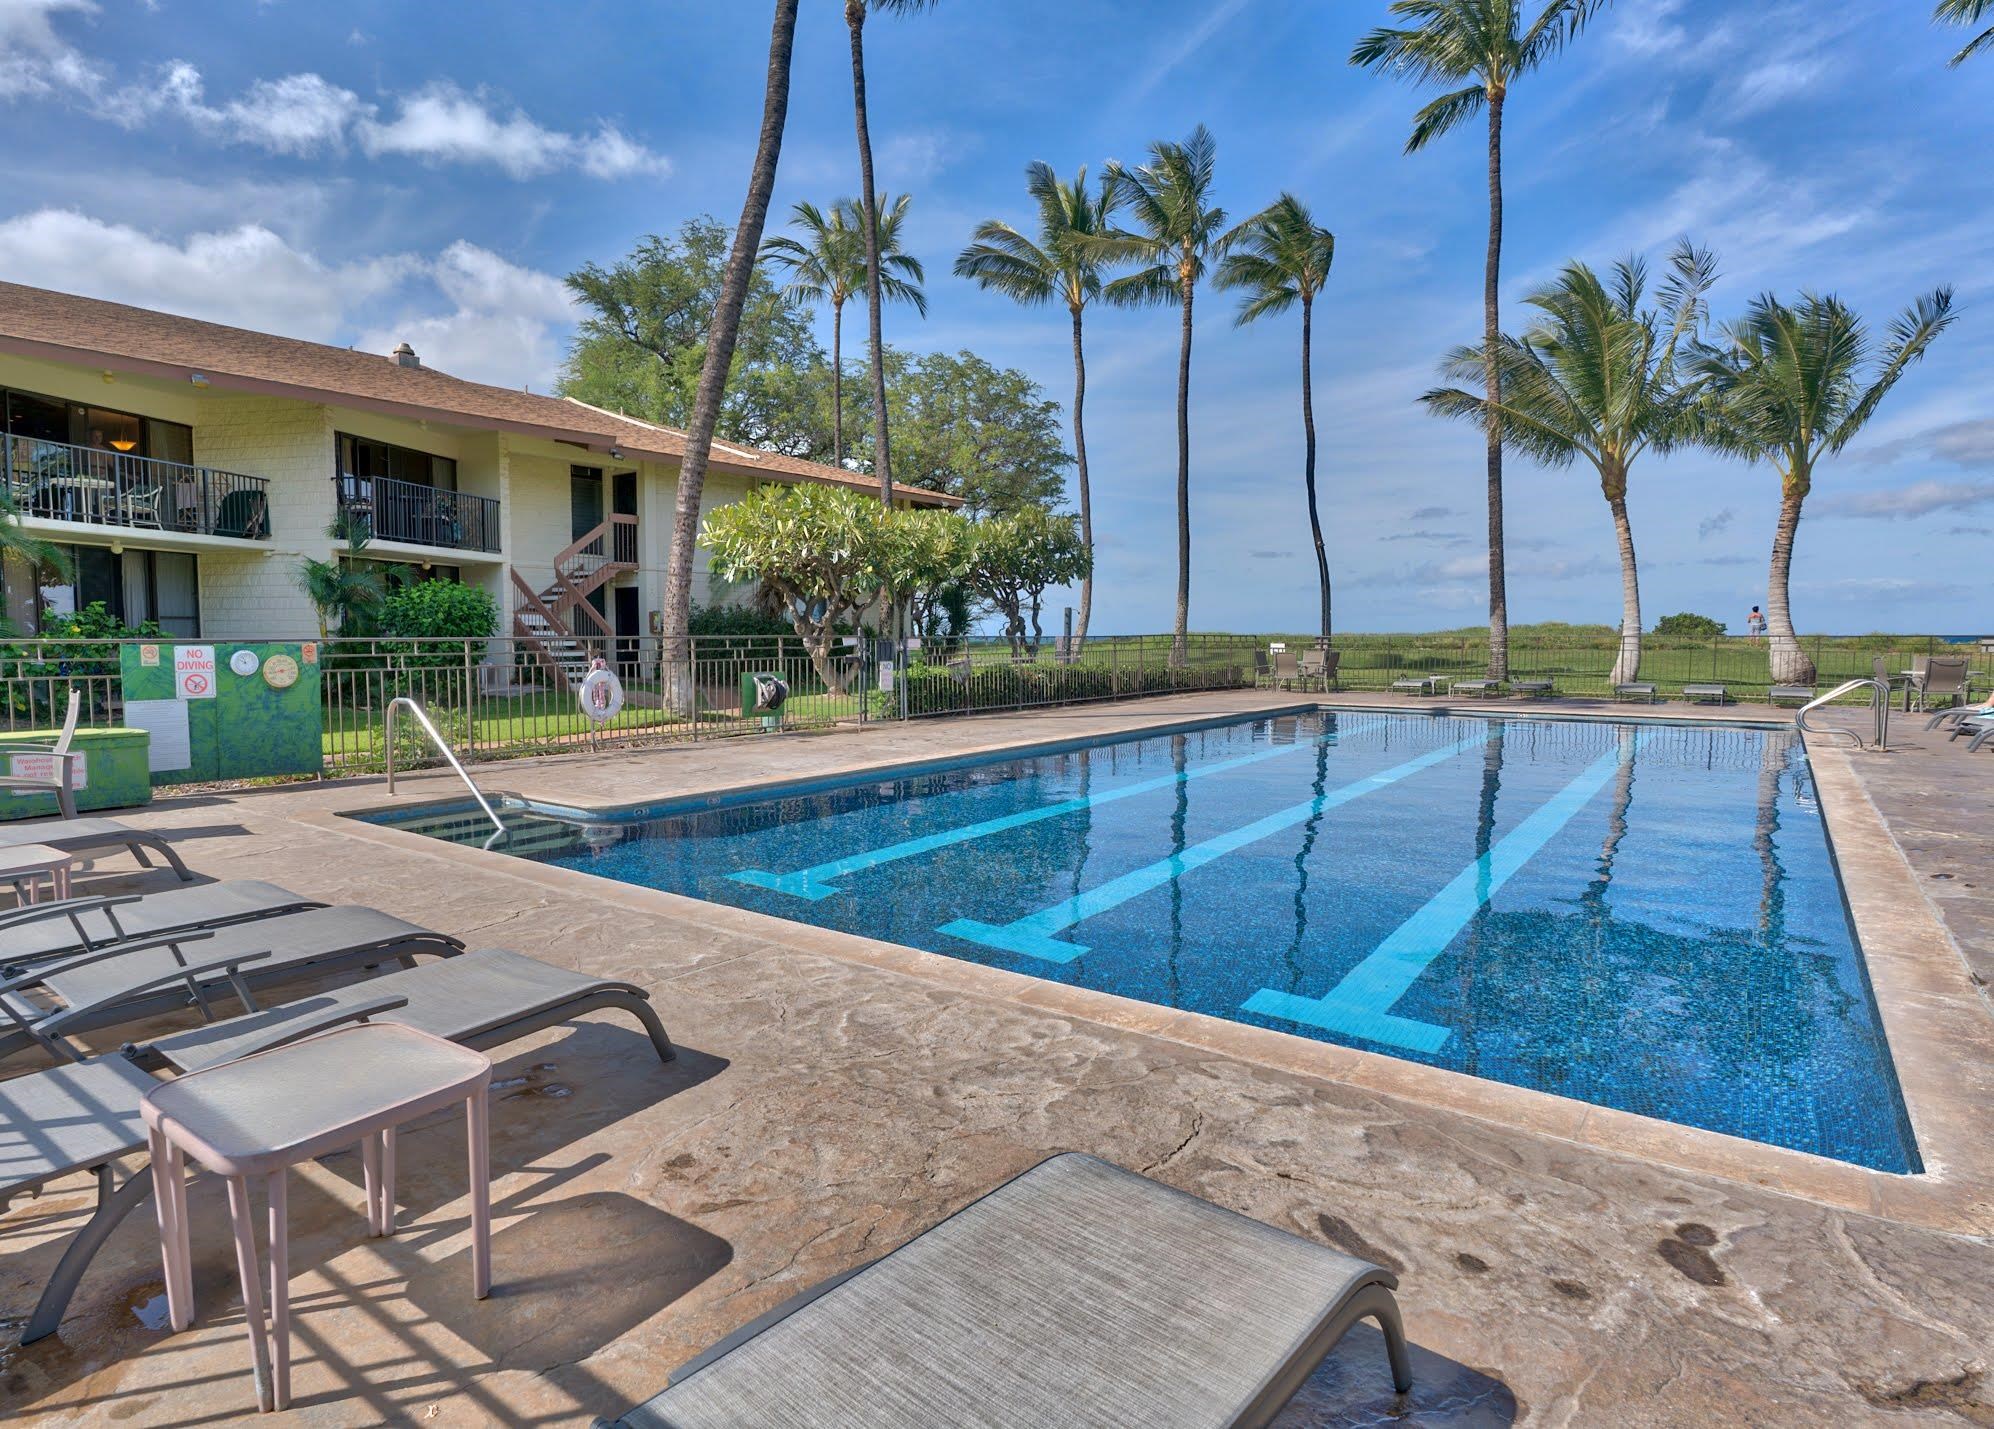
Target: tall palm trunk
(720, 339)
(1308, 463)
(1086, 506)
(1180, 644)
(1626, 664)
(838, 383)
(1790, 665)
(1491, 330)
(882, 457)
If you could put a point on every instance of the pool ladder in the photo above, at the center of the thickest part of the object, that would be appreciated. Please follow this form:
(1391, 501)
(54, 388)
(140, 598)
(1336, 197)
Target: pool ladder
(1879, 702)
(403, 702)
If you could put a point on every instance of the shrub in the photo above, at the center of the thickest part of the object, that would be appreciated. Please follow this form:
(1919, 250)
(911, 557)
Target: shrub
(436, 611)
(1687, 626)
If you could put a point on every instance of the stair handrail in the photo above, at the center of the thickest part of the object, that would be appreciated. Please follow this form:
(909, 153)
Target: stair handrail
(403, 702)
(1879, 703)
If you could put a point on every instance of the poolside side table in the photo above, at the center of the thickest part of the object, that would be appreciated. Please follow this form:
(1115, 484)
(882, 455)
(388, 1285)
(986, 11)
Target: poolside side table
(25, 865)
(262, 1115)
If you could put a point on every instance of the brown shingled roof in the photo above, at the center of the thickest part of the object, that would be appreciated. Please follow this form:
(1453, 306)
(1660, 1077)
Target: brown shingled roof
(90, 332)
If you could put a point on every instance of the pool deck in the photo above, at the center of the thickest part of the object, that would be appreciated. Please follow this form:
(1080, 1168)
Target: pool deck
(1559, 1263)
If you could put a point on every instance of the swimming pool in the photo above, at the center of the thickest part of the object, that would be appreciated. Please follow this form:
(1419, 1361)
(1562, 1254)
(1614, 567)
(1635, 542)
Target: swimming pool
(1640, 916)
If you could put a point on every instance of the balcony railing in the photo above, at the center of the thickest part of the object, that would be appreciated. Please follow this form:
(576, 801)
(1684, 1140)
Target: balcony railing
(420, 515)
(60, 482)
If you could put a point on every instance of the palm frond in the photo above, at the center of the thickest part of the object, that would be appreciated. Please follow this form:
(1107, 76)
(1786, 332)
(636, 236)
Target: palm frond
(1966, 12)
(1447, 112)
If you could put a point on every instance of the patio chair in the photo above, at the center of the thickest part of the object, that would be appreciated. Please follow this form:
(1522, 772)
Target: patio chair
(61, 778)
(1319, 667)
(1287, 668)
(90, 836)
(84, 1116)
(1710, 690)
(1077, 1292)
(139, 506)
(1636, 690)
(1262, 673)
(80, 925)
(124, 982)
(242, 513)
(1942, 676)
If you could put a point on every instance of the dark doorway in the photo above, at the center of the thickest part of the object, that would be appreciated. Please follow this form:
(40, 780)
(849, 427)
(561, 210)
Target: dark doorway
(585, 499)
(629, 622)
(623, 493)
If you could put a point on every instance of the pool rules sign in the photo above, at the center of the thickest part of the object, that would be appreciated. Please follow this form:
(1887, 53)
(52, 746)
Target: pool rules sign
(194, 672)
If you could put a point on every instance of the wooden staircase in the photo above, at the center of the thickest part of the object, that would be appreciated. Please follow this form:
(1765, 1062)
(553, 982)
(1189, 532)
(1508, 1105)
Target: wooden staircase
(558, 622)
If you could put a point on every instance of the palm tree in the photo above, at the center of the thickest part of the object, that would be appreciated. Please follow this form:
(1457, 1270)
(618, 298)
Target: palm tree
(855, 13)
(1170, 197)
(1966, 12)
(1786, 387)
(1279, 258)
(1476, 40)
(1597, 379)
(1073, 248)
(345, 590)
(17, 545)
(676, 654)
(827, 265)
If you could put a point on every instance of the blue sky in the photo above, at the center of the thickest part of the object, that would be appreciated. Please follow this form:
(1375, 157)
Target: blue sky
(365, 173)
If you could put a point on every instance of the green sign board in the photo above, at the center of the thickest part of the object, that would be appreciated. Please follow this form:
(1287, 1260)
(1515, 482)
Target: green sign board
(225, 709)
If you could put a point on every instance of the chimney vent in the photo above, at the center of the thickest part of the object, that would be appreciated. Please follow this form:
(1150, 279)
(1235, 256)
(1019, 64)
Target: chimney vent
(405, 357)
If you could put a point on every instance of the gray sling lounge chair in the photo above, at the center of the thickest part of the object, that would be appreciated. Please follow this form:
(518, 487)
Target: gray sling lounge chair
(77, 925)
(85, 1116)
(87, 836)
(1077, 1293)
(61, 779)
(122, 982)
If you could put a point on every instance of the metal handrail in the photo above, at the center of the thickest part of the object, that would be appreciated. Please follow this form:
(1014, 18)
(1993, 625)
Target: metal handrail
(403, 702)
(1879, 703)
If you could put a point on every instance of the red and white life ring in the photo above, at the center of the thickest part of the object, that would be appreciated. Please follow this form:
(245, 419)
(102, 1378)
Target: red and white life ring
(601, 694)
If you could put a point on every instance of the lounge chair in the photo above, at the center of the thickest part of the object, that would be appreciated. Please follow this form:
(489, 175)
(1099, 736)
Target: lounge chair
(1480, 689)
(61, 778)
(123, 982)
(1802, 693)
(1076, 1293)
(1420, 685)
(88, 836)
(1532, 689)
(1636, 690)
(1709, 691)
(1959, 714)
(85, 1116)
(78, 925)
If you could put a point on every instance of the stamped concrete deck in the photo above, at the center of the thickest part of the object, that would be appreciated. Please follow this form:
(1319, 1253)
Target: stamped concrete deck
(835, 1097)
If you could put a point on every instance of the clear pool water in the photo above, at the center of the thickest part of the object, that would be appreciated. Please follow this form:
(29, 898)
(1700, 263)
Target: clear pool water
(1644, 917)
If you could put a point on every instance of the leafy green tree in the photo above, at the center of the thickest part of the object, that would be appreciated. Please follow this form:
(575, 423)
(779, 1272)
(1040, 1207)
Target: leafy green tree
(1485, 43)
(1277, 259)
(419, 619)
(1015, 559)
(347, 590)
(855, 17)
(1597, 378)
(1065, 265)
(41, 557)
(1966, 12)
(821, 554)
(1170, 200)
(987, 434)
(1686, 625)
(827, 265)
(1790, 385)
(642, 345)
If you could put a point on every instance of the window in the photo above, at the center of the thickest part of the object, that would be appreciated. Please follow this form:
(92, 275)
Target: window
(50, 419)
(361, 459)
(135, 586)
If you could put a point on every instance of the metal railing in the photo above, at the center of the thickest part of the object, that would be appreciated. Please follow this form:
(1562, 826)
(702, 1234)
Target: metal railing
(403, 703)
(58, 481)
(419, 515)
(1879, 699)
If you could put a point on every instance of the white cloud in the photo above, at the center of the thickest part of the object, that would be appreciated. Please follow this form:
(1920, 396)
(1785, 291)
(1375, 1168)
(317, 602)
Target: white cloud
(34, 59)
(507, 327)
(1919, 498)
(300, 114)
(442, 123)
(247, 276)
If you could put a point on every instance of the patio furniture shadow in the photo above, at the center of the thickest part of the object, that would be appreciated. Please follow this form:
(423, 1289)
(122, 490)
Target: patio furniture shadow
(1353, 1387)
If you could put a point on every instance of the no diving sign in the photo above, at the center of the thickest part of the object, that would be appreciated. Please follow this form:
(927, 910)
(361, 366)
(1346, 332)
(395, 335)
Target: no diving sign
(194, 672)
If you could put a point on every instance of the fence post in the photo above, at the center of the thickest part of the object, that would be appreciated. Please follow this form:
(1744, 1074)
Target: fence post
(470, 706)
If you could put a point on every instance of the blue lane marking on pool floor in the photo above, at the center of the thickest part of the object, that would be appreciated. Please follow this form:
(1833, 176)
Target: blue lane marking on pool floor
(1032, 935)
(1361, 1003)
(815, 882)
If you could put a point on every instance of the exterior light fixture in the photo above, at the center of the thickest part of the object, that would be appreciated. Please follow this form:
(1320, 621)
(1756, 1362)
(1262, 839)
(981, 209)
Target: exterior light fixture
(199, 379)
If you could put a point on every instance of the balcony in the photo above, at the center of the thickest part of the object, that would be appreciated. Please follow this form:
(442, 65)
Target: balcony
(55, 481)
(415, 515)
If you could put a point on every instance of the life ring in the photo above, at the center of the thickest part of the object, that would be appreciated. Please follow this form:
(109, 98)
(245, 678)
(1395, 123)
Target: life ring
(601, 694)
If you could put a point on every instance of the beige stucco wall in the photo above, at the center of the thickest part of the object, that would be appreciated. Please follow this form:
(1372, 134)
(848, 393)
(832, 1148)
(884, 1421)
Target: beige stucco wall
(289, 444)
